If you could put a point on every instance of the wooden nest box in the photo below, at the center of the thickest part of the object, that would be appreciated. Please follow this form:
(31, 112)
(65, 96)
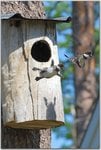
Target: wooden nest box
(28, 43)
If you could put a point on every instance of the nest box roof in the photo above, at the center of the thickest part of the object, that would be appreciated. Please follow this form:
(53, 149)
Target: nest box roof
(18, 16)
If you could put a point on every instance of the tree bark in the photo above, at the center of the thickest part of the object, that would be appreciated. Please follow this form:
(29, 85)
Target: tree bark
(23, 138)
(85, 81)
(28, 9)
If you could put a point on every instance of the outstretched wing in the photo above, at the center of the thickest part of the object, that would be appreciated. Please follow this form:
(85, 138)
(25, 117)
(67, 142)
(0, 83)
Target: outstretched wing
(66, 56)
(52, 63)
(77, 60)
(35, 69)
(73, 59)
(80, 63)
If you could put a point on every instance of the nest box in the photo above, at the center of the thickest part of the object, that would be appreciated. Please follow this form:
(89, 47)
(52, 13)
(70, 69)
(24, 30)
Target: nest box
(28, 43)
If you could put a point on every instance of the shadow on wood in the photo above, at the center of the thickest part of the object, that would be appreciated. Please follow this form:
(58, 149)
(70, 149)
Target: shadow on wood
(50, 112)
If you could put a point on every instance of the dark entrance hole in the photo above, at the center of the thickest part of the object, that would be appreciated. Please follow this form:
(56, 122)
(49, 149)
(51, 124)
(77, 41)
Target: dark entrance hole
(41, 51)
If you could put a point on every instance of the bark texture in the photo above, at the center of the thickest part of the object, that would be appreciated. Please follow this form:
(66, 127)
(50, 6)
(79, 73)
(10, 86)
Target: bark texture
(85, 81)
(28, 9)
(22, 138)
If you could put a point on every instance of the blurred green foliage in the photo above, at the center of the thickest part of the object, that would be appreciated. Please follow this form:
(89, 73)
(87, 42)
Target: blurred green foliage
(56, 9)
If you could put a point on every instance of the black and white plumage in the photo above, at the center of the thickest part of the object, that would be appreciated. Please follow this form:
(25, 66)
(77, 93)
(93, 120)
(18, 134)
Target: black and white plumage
(80, 59)
(49, 72)
(87, 55)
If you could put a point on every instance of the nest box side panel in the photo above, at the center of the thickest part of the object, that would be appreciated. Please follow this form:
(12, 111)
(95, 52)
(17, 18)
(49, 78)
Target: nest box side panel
(16, 97)
(46, 93)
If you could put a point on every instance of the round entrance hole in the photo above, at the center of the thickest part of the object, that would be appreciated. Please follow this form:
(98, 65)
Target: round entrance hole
(41, 51)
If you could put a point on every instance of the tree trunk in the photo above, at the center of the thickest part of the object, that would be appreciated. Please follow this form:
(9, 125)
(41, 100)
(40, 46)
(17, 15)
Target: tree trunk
(85, 82)
(24, 138)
